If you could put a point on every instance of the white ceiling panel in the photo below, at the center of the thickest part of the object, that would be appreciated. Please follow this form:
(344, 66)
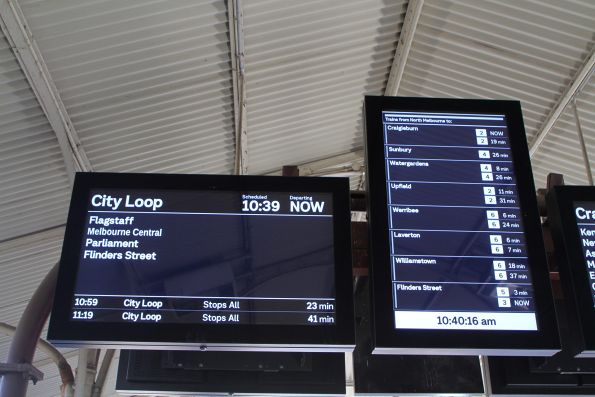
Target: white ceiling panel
(527, 51)
(34, 186)
(147, 84)
(308, 66)
(561, 151)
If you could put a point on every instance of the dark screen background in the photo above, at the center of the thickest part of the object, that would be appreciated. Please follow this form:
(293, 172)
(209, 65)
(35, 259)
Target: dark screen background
(230, 255)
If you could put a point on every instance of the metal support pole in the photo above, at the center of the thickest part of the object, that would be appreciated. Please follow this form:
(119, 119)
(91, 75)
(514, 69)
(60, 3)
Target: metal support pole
(27, 334)
(578, 82)
(349, 376)
(581, 137)
(103, 371)
(81, 373)
(60, 361)
(85, 372)
(485, 375)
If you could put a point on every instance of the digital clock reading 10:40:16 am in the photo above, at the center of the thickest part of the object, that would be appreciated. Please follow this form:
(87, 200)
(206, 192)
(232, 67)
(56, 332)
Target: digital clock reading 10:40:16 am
(260, 206)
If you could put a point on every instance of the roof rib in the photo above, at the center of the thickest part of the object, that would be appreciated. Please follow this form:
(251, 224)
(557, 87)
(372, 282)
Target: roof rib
(20, 38)
(577, 83)
(403, 46)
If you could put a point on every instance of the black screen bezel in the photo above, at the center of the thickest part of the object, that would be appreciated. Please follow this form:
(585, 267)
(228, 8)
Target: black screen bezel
(514, 376)
(389, 339)
(326, 376)
(340, 336)
(571, 262)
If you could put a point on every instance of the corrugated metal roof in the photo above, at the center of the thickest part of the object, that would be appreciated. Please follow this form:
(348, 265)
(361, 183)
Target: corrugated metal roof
(147, 84)
(34, 187)
(561, 150)
(308, 66)
(527, 51)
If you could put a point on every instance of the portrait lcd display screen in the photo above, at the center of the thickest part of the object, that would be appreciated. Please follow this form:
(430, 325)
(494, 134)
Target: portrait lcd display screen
(458, 262)
(205, 261)
(571, 212)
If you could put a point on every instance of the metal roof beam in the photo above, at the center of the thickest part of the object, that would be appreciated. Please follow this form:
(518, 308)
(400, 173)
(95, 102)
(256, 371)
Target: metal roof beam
(403, 46)
(580, 79)
(235, 18)
(350, 162)
(19, 36)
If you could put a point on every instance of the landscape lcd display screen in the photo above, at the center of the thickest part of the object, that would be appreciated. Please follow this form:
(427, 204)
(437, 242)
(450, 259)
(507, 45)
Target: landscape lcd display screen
(571, 214)
(217, 256)
(456, 229)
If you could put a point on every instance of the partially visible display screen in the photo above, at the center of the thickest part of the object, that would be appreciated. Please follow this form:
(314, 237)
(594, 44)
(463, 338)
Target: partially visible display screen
(206, 257)
(571, 217)
(218, 262)
(584, 212)
(177, 373)
(457, 240)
